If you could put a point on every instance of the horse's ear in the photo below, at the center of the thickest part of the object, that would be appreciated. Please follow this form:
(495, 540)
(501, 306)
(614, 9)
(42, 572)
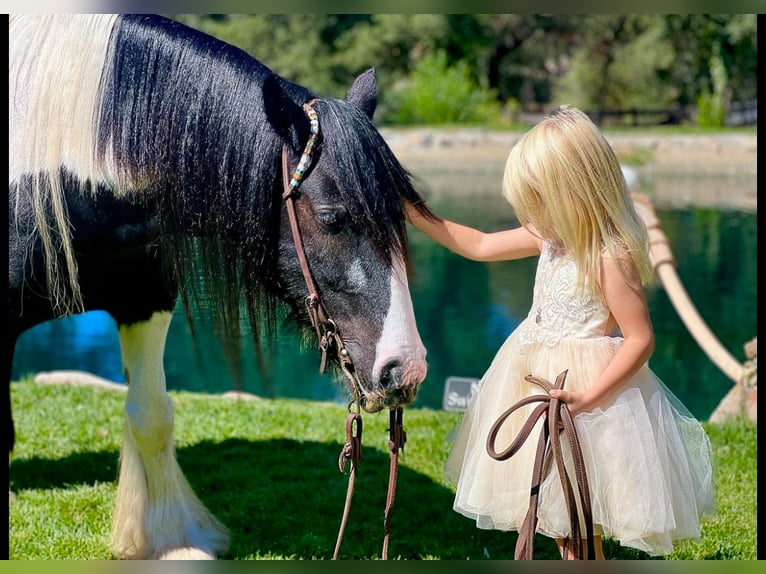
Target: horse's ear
(281, 112)
(364, 92)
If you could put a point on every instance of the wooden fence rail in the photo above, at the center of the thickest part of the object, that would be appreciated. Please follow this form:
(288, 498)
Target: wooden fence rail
(744, 113)
(638, 117)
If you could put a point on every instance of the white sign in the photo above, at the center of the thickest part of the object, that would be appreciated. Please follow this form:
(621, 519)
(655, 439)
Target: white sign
(458, 392)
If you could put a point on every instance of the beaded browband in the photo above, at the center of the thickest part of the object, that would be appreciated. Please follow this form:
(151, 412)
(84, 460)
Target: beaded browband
(305, 161)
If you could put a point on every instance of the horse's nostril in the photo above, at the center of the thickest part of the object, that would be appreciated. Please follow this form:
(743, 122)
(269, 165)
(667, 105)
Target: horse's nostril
(391, 374)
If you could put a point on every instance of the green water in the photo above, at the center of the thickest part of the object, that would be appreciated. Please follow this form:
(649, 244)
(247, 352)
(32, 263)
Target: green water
(465, 310)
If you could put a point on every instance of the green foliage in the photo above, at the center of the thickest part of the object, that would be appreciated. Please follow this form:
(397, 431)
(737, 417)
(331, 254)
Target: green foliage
(619, 66)
(710, 111)
(613, 61)
(392, 43)
(268, 470)
(295, 46)
(441, 94)
(710, 105)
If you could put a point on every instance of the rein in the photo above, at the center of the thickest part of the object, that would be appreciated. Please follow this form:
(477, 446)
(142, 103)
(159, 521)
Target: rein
(332, 347)
(558, 420)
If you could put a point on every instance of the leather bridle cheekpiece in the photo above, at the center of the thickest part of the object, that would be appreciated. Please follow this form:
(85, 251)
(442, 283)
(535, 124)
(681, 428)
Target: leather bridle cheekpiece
(330, 342)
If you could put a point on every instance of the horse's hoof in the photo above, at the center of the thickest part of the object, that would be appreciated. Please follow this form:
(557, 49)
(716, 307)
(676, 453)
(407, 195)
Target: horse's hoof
(187, 553)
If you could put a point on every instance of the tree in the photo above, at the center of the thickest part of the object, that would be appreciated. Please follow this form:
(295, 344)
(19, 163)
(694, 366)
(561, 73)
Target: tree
(697, 39)
(613, 61)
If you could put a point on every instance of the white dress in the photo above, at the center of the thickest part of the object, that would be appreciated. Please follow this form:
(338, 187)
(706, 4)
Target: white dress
(648, 460)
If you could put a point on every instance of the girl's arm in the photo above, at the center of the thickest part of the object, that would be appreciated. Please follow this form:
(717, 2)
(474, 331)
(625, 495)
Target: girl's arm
(474, 244)
(624, 295)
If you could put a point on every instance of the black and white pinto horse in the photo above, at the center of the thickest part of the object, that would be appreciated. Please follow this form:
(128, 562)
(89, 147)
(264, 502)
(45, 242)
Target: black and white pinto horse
(144, 167)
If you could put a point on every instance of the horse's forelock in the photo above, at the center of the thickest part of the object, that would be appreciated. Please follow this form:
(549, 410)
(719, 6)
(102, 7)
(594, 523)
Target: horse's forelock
(370, 179)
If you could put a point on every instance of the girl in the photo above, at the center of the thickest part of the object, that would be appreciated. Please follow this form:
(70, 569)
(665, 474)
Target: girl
(648, 460)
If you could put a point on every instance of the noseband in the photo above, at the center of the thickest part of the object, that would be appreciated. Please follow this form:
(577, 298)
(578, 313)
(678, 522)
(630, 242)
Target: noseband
(332, 347)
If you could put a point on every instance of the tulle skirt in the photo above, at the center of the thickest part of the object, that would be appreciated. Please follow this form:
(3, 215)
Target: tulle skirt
(648, 460)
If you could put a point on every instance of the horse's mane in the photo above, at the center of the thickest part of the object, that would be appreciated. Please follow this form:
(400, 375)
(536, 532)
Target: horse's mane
(196, 126)
(199, 125)
(54, 69)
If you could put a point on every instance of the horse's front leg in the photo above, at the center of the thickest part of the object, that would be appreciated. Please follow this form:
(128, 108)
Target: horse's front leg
(157, 515)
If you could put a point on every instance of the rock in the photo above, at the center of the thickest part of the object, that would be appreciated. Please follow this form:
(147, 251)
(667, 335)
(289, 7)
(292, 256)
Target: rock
(751, 405)
(750, 379)
(77, 379)
(240, 396)
(730, 406)
(751, 348)
(742, 399)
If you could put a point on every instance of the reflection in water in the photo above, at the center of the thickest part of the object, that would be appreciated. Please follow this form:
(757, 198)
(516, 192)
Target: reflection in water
(86, 342)
(465, 310)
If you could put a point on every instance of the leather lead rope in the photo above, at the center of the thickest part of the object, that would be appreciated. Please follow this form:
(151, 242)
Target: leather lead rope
(352, 452)
(397, 438)
(559, 420)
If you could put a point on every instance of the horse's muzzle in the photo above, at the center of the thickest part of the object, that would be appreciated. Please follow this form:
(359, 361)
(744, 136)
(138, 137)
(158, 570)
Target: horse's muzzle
(396, 386)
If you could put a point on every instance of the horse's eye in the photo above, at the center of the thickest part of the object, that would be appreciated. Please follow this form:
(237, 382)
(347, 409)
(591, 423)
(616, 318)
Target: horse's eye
(334, 218)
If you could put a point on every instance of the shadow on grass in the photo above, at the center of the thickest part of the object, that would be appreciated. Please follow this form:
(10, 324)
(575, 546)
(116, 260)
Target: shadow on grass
(285, 497)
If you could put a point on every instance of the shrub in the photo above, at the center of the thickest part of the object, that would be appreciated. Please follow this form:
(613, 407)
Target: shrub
(710, 111)
(437, 93)
(710, 105)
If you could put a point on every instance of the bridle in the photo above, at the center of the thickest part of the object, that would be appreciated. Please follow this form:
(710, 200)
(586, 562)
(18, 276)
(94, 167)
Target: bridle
(332, 347)
(330, 343)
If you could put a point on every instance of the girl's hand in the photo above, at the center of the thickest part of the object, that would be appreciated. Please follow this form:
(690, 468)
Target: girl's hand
(411, 213)
(578, 402)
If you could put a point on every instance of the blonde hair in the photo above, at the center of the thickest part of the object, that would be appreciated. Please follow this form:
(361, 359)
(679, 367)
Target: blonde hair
(564, 179)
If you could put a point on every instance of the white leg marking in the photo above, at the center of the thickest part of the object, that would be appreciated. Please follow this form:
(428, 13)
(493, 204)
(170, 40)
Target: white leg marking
(156, 514)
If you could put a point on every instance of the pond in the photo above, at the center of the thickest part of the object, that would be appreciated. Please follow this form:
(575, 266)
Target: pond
(465, 310)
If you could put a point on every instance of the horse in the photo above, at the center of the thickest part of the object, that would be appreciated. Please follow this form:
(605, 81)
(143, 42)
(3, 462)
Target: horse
(148, 165)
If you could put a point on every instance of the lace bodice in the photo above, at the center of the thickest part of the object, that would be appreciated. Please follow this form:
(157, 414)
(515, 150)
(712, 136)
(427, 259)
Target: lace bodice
(559, 308)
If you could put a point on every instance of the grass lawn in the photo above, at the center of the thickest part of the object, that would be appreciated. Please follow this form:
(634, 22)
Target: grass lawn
(269, 470)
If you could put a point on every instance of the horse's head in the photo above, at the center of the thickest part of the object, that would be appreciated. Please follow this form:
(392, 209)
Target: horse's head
(349, 210)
